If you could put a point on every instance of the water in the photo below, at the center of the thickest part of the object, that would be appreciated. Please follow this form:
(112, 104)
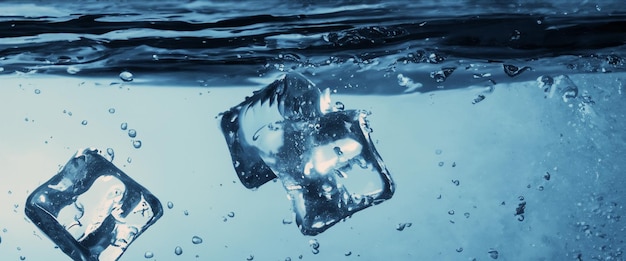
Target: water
(507, 115)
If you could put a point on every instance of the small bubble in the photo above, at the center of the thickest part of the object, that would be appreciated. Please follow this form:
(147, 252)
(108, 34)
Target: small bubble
(124, 126)
(129, 160)
(72, 69)
(170, 205)
(438, 152)
(456, 182)
(315, 251)
(453, 164)
(126, 76)
(339, 106)
(22, 258)
(520, 218)
(349, 253)
(521, 198)
(137, 144)
(84, 122)
(440, 164)
(196, 240)
(402, 226)
(186, 213)
(250, 258)
(493, 254)
(466, 214)
(287, 258)
(178, 250)
(451, 212)
(111, 110)
(231, 214)
(287, 221)
(37, 91)
(313, 243)
(69, 113)
(547, 176)
(540, 188)
(25, 119)
(148, 254)
(111, 153)
(132, 133)
(459, 250)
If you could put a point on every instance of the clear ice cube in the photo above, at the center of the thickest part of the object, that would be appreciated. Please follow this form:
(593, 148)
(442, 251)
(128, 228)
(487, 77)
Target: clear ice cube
(324, 158)
(292, 97)
(91, 210)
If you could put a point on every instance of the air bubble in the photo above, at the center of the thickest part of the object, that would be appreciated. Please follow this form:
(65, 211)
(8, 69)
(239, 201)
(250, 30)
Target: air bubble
(129, 159)
(170, 205)
(250, 258)
(126, 76)
(451, 212)
(287, 258)
(124, 126)
(148, 254)
(186, 213)
(84, 122)
(178, 250)
(402, 226)
(287, 221)
(22, 258)
(37, 91)
(349, 253)
(456, 182)
(466, 214)
(438, 152)
(137, 144)
(459, 250)
(313, 243)
(111, 153)
(132, 133)
(547, 176)
(231, 214)
(493, 254)
(111, 110)
(72, 70)
(440, 164)
(196, 240)
(339, 106)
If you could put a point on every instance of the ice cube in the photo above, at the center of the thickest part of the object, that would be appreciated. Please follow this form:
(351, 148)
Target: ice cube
(330, 169)
(292, 97)
(91, 209)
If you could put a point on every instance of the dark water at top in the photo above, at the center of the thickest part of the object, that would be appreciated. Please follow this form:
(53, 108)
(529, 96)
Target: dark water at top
(226, 43)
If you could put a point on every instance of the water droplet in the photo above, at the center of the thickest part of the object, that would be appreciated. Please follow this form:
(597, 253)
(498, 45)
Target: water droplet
(111, 110)
(231, 214)
(111, 153)
(196, 240)
(84, 122)
(493, 254)
(37, 91)
(137, 144)
(132, 133)
(250, 258)
(170, 205)
(451, 212)
(148, 254)
(126, 76)
(124, 125)
(466, 214)
(178, 250)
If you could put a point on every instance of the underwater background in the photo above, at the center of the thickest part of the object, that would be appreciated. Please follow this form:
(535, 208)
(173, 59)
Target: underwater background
(501, 122)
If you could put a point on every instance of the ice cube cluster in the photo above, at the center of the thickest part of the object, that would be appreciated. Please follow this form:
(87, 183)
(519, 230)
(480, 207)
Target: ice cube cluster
(322, 154)
(91, 209)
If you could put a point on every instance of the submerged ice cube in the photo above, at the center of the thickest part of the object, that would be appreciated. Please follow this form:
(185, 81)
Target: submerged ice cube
(91, 209)
(292, 97)
(324, 158)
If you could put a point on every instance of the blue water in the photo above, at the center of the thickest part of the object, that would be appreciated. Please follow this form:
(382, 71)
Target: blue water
(501, 124)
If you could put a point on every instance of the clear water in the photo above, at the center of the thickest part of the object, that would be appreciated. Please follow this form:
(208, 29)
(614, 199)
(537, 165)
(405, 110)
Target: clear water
(501, 124)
